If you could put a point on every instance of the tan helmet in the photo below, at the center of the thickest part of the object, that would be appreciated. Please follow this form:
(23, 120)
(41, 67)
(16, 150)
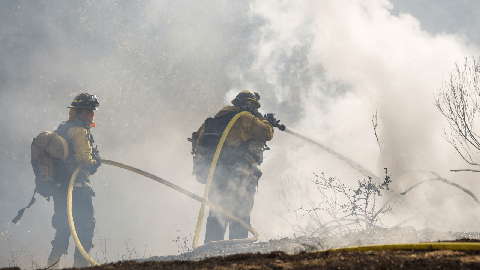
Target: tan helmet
(247, 99)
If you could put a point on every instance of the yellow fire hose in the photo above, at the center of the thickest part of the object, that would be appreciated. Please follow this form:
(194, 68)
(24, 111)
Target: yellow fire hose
(162, 181)
(410, 246)
(204, 201)
(70, 219)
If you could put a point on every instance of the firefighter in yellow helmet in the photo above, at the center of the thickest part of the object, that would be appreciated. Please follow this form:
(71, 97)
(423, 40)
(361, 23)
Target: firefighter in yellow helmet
(82, 151)
(236, 175)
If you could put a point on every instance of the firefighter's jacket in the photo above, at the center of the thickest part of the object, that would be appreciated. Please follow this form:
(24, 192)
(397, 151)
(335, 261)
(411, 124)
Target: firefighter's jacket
(81, 148)
(248, 131)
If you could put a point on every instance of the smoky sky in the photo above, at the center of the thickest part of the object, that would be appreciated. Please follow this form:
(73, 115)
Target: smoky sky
(444, 16)
(159, 68)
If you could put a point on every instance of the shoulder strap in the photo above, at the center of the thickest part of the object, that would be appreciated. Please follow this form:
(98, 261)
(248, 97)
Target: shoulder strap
(21, 211)
(218, 124)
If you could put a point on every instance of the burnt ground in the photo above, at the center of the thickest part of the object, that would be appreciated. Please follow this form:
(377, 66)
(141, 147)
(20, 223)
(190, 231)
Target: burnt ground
(445, 259)
(303, 253)
(434, 259)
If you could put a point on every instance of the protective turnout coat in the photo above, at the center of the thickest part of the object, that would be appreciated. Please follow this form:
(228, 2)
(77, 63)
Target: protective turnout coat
(81, 149)
(248, 128)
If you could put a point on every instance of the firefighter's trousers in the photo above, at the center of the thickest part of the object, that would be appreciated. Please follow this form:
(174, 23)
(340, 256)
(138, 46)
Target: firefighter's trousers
(233, 188)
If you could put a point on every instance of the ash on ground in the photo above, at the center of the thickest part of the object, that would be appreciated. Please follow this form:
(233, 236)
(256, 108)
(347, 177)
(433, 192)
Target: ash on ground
(304, 244)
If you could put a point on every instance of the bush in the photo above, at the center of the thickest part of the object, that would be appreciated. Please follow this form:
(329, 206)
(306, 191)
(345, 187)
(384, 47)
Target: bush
(342, 209)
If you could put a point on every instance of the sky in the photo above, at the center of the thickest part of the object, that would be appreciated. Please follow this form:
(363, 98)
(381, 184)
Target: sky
(160, 68)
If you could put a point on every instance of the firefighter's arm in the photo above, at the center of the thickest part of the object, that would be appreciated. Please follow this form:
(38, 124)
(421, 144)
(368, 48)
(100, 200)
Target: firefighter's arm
(260, 129)
(82, 150)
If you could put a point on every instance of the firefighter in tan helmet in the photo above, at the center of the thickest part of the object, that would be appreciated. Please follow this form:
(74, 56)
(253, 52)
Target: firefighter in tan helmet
(236, 175)
(82, 151)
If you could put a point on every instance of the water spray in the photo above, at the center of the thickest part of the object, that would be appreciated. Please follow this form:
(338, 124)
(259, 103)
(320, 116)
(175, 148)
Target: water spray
(343, 158)
(271, 119)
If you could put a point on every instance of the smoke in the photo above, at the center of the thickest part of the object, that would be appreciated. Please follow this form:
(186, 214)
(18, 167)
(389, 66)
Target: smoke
(383, 63)
(160, 68)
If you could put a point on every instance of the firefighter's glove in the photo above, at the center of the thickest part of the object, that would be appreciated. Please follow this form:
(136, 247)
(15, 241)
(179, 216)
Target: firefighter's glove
(274, 122)
(95, 166)
(271, 119)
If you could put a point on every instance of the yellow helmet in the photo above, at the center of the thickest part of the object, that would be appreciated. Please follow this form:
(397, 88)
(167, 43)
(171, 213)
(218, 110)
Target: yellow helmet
(247, 99)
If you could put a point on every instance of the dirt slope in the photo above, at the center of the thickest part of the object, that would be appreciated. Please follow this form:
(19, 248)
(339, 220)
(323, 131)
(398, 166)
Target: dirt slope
(434, 259)
(445, 259)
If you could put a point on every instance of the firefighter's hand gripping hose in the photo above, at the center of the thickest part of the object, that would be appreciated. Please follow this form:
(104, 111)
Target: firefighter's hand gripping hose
(160, 180)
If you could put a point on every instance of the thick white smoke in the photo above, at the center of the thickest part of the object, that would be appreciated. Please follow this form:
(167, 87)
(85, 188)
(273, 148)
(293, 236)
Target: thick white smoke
(160, 68)
(389, 65)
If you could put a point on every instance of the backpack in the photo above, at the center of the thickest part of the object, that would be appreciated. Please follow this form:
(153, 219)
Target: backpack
(204, 145)
(47, 150)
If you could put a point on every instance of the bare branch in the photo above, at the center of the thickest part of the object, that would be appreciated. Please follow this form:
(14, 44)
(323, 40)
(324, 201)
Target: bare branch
(464, 170)
(374, 122)
(458, 100)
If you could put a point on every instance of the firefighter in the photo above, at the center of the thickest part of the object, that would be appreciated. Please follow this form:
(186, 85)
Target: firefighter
(236, 175)
(82, 151)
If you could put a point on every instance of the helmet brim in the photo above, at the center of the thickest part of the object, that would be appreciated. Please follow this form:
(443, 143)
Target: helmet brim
(83, 107)
(238, 100)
